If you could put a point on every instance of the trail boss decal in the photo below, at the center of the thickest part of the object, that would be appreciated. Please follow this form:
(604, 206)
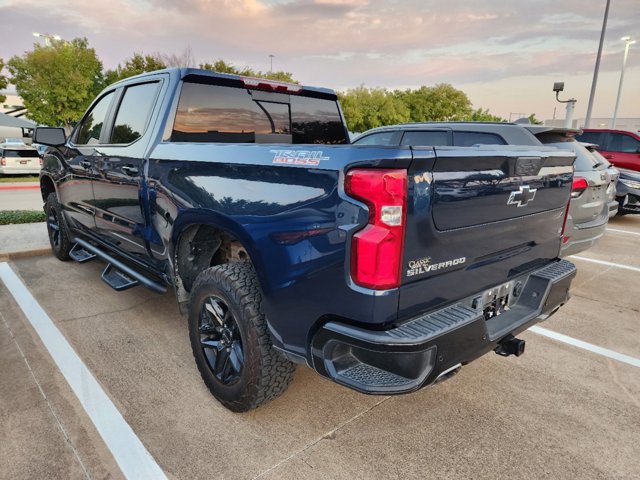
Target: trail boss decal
(298, 157)
(424, 265)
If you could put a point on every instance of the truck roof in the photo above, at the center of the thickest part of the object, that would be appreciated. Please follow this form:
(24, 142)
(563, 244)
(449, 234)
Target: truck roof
(183, 72)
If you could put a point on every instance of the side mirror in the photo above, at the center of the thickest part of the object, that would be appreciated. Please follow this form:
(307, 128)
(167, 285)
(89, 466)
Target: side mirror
(50, 136)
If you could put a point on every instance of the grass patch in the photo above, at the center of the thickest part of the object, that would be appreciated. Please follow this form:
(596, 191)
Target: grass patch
(16, 178)
(9, 217)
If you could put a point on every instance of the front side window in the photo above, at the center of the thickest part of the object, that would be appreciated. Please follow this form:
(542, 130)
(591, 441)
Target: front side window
(133, 113)
(91, 127)
(623, 143)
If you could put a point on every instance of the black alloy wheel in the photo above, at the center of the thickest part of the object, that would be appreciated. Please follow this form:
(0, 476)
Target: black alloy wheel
(59, 236)
(220, 340)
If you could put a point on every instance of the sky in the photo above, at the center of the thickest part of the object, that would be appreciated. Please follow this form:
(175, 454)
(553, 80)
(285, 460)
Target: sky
(505, 54)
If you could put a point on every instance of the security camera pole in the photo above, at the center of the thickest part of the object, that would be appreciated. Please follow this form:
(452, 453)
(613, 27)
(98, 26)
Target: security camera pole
(571, 103)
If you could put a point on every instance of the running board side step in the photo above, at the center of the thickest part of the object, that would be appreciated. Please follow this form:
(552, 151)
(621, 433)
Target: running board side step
(118, 275)
(81, 255)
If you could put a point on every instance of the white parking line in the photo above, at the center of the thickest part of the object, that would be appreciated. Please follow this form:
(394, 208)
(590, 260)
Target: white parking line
(617, 230)
(131, 455)
(608, 264)
(586, 346)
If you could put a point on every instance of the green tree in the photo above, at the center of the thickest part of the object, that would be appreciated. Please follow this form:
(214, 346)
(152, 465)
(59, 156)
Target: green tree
(481, 115)
(532, 118)
(221, 66)
(135, 65)
(3, 81)
(440, 103)
(57, 82)
(366, 108)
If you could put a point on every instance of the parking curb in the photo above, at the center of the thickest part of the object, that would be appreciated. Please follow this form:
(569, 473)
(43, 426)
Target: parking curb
(19, 187)
(18, 254)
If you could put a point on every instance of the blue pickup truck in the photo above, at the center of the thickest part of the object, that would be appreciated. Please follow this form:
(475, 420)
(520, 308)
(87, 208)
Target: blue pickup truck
(384, 269)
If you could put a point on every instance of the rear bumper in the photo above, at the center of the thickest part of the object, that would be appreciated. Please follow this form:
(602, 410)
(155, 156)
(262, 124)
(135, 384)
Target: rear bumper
(426, 349)
(581, 239)
(629, 203)
(19, 170)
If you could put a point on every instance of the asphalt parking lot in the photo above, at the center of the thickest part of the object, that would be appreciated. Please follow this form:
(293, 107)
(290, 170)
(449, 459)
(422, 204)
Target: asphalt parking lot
(559, 411)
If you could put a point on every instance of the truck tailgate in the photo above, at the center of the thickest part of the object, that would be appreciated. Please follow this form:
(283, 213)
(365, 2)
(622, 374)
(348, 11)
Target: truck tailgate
(478, 217)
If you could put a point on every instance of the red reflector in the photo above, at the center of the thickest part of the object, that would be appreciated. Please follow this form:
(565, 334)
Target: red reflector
(565, 239)
(263, 84)
(376, 250)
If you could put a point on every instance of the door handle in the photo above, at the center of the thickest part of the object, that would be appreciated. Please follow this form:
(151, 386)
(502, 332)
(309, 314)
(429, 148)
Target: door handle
(85, 164)
(608, 156)
(131, 171)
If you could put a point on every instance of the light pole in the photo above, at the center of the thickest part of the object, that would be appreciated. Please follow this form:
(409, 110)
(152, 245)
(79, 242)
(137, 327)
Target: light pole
(271, 57)
(47, 38)
(571, 103)
(594, 82)
(627, 41)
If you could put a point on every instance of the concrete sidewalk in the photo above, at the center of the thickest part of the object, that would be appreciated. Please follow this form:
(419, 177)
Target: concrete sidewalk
(23, 240)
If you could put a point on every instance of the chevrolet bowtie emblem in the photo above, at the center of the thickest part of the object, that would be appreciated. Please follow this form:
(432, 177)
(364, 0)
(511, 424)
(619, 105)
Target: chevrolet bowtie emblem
(522, 196)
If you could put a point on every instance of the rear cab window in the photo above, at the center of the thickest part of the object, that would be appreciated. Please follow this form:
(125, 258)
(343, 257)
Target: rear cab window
(26, 153)
(229, 114)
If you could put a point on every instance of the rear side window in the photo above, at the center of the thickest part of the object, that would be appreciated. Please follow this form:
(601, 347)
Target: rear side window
(20, 153)
(91, 127)
(426, 139)
(591, 137)
(468, 139)
(133, 113)
(382, 138)
(619, 142)
(221, 114)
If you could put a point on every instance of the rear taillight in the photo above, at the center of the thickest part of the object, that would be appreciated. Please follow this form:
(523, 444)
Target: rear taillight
(40, 161)
(579, 185)
(376, 250)
(3, 162)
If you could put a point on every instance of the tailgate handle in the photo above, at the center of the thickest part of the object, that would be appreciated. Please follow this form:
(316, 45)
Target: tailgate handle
(528, 166)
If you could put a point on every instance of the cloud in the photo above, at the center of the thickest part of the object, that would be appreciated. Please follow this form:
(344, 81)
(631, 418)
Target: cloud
(344, 43)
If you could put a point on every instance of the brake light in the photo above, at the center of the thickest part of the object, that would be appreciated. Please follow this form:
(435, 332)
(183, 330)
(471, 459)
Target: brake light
(4, 162)
(262, 84)
(376, 250)
(578, 186)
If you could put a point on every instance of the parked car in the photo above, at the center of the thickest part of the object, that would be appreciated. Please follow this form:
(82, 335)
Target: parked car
(19, 159)
(614, 173)
(592, 196)
(285, 245)
(628, 192)
(459, 134)
(620, 147)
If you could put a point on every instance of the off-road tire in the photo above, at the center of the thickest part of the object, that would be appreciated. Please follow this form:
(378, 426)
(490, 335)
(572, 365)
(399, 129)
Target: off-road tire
(265, 373)
(63, 245)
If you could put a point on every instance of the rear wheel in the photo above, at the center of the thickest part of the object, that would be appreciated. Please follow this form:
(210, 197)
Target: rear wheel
(230, 340)
(59, 237)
